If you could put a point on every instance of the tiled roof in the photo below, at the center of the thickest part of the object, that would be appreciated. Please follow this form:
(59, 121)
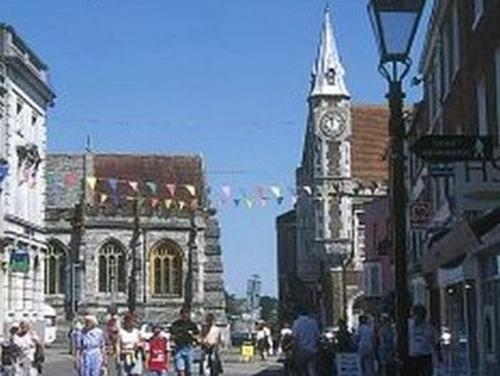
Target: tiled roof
(369, 143)
(158, 169)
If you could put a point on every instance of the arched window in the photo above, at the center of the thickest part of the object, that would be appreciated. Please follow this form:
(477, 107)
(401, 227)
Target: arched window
(166, 270)
(112, 270)
(55, 269)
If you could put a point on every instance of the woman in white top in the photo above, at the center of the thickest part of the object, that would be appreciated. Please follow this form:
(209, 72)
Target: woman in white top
(28, 342)
(423, 343)
(130, 348)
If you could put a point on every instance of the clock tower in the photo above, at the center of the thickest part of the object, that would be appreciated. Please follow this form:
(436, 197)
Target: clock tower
(325, 216)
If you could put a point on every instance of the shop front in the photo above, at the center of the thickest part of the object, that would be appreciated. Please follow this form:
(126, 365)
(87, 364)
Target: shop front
(489, 269)
(459, 318)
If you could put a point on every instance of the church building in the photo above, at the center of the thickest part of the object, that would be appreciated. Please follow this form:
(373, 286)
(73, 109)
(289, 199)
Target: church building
(131, 231)
(343, 166)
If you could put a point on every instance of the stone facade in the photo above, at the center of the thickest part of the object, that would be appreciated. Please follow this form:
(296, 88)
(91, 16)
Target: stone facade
(82, 224)
(25, 96)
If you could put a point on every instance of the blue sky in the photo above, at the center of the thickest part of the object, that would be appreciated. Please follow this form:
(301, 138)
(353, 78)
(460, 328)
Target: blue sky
(224, 78)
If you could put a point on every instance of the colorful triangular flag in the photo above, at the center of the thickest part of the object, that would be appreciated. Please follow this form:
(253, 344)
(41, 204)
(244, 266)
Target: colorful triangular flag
(307, 189)
(91, 182)
(171, 189)
(249, 203)
(113, 184)
(154, 202)
(182, 205)
(134, 185)
(191, 189)
(168, 203)
(103, 198)
(276, 191)
(152, 186)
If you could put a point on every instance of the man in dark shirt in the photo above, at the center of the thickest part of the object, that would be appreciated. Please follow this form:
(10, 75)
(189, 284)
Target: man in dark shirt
(184, 333)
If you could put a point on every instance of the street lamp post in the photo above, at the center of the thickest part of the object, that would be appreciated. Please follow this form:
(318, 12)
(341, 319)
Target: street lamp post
(395, 24)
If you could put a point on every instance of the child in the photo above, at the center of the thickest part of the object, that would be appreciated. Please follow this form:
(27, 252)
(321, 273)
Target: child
(158, 351)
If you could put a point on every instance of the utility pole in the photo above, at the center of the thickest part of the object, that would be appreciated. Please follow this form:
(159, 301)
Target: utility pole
(193, 232)
(76, 240)
(132, 288)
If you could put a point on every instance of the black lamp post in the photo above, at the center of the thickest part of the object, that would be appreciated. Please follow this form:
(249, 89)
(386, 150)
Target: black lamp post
(395, 24)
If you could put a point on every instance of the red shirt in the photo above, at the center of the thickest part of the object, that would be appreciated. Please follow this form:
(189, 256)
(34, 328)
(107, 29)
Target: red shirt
(158, 354)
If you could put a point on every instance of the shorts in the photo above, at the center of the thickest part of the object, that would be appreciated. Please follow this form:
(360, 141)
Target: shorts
(183, 358)
(157, 373)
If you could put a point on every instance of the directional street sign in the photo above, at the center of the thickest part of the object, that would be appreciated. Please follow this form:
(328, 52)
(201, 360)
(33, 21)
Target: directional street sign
(452, 148)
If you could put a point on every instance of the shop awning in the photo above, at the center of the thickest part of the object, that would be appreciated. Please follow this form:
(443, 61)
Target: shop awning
(456, 244)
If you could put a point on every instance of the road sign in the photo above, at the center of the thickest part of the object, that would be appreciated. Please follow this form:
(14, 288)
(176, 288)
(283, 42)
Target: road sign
(420, 212)
(452, 148)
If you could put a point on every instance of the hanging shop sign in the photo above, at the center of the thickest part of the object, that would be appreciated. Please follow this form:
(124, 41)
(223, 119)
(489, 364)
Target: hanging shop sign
(478, 185)
(451, 148)
(20, 261)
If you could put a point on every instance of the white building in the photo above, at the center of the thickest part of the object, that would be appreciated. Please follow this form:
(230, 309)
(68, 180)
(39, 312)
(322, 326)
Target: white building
(25, 95)
(342, 167)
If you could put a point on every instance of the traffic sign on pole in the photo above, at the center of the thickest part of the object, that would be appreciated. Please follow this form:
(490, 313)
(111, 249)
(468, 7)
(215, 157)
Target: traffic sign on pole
(452, 148)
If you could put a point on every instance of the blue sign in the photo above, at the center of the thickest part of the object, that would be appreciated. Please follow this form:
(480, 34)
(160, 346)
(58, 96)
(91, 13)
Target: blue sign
(20, 261)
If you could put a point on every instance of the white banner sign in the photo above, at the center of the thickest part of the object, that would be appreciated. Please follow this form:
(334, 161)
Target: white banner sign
(348, 364)
(478, 185)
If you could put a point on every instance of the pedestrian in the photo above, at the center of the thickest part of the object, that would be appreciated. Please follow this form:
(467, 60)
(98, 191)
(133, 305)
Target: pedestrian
(211, 341)
(11, 353)
(112, 334)
(262, 340)
(75, 332)
(29, 345)
(305, 332)
(130, 347)
(184, 334)
(365, 339)
(90, 356)
(344, 342)
(386, 346)
(285, 334)
(158, 353)
(423, 342)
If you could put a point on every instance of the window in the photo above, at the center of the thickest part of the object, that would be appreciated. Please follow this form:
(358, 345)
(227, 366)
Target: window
(478, 11)
(481, 107)
(166, 269)
(55, 269)
(372, 279)
(19, 107)
(112, 270)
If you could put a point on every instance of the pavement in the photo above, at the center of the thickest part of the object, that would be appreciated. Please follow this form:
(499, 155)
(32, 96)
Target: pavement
(59, 363)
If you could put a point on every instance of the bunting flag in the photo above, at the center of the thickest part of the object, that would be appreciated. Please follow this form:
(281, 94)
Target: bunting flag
(307, 189)
(152, 186)
(168, 203)
(191, 189)
(133, 184)
(237, 202)
(50, 179)
(279, 200)
(91, 182)
(194, 204)
(294, 200)
(182, 204)
(226, 191)
(103, 198)
(71, 179)
(249, 203)
(140, 202)
(154, 202)
(276, 191)
(113, 184)
(171, 189)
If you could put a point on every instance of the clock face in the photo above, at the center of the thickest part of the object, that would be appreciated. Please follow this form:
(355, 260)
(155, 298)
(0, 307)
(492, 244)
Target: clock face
(332, 124)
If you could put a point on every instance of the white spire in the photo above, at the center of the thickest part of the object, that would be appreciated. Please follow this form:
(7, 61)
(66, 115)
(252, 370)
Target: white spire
(327, 72)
